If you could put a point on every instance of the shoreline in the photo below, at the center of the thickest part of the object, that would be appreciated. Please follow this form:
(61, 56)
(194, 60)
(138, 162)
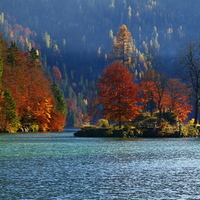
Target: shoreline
(133, 133)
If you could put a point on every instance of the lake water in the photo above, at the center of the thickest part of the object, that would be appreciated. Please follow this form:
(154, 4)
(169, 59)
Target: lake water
(58, 166)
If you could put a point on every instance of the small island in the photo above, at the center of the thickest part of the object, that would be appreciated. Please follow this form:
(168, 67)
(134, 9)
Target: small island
(147, 128)
(148, 105)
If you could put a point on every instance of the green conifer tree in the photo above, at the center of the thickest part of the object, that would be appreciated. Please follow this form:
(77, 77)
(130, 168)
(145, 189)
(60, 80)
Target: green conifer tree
(11, 53)
(9, 111)
(60, 100)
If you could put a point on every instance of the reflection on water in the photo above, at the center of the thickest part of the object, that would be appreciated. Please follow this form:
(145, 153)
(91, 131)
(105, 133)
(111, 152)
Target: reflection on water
(58, 166)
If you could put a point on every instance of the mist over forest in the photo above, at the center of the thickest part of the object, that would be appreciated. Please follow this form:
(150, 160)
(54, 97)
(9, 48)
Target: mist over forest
(74, 37)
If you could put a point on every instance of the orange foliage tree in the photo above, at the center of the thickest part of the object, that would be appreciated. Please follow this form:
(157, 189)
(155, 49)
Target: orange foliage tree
(118, 94)
(123, 46)
(155, 84)
(169, 94)
(179, 98)
(31, 90)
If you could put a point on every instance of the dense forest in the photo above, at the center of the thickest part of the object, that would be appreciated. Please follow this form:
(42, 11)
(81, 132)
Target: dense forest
(28, 101)
(74, 38)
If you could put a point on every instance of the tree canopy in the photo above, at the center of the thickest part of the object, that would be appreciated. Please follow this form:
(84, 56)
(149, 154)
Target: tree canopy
(123, 46)
(118, 94)
(28, 93)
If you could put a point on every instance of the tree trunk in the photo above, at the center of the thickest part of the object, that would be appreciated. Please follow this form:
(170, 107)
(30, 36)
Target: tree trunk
(196, 111)
(160, 116)
(120, 124)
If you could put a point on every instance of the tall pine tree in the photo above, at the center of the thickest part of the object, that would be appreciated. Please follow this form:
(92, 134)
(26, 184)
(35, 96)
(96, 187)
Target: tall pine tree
(123, 47)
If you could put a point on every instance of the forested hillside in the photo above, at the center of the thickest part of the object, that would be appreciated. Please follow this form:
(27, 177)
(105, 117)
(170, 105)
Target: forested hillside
(28, 101)
(74, 37)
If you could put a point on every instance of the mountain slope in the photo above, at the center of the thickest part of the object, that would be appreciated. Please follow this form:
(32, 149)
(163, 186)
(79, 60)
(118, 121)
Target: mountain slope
(75, 35)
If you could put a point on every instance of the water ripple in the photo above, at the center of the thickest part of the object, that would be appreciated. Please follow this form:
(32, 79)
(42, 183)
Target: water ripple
(53, 167)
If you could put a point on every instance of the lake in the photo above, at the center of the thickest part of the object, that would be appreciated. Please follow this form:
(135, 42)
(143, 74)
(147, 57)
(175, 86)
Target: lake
(58, 166)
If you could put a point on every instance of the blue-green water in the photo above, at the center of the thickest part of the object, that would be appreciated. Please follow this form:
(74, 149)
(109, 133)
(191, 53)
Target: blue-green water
(58, 166)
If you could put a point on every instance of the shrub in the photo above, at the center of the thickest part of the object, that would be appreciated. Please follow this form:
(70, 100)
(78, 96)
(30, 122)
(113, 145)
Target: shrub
(102, 123)
(171, 117)
(126, 128)
(189, 131)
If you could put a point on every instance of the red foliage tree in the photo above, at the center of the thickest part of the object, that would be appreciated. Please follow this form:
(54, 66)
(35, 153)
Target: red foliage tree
(179, 98)
(57, 75)
(154, 84)
(27, 31)
(118, 94)
(170, 95)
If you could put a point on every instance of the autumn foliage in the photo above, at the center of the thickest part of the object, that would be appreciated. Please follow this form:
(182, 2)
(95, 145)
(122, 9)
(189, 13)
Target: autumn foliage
(170, 95)
(118, 94)
(35, 102)
(178, 98)
(56, 73)
(123, 99)
(123, 46)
